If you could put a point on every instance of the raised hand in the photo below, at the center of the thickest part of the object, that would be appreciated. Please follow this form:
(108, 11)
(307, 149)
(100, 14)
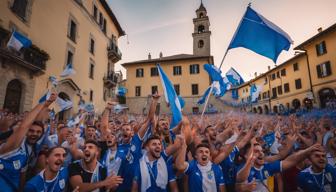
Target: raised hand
(113, 181)
(52, 98)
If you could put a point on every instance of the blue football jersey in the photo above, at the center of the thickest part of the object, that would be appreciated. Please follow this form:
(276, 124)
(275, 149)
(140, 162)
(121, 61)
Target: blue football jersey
(58, 184)
(11, 165)
(318, 182)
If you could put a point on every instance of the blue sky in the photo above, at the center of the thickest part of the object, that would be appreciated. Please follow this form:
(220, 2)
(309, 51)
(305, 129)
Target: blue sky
(166, 25)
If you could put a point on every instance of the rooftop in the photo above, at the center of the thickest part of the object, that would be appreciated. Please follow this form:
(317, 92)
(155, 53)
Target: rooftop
(168, 58)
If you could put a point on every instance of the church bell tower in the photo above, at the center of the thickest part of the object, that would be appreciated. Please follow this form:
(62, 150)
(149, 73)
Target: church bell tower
(201, 35)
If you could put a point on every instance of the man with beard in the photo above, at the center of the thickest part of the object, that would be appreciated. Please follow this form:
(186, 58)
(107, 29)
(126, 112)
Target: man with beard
(152, 172)
(202, 174)
(54, 177)
(120, 159)
(320, 176)
(88, 174)
(256, 169)
(13, 152)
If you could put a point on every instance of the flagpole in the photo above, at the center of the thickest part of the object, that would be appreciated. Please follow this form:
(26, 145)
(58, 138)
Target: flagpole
(227, 49)
(206, 101)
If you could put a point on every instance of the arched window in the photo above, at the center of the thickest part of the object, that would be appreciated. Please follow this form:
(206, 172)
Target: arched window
(13, 96)
(201, 15)
(296, 104)
(200, 43)
(201, 29)
(63, 115)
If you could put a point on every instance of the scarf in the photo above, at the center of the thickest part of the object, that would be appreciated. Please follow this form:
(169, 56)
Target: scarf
(208, 177)
(162, 176)
(112, 162)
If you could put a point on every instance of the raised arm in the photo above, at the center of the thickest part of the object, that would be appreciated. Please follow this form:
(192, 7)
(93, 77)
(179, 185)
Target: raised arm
(294, 159)
(15, 140)
(180, 163)
(105, 118)
(283, 153)
(243, 174)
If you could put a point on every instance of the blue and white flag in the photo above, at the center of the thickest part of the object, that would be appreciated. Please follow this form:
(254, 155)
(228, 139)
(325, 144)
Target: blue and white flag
(89, 107)
(53, 80)
(17, 41)
(220, 87)
(255, 91)
(205, 95)
(121, 91)
(45, 97)
(171, 98)
(68, 71)
(62, 104)
(234, 77)
(260, 35)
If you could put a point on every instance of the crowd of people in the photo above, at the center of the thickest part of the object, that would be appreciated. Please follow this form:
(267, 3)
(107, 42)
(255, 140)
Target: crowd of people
(231, 151)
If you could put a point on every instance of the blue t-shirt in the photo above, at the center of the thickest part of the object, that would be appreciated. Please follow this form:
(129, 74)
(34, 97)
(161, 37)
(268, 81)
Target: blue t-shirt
(58, 184)
(11, 166)
(260, 175)
(317, 182)
(229, 167)
(267, 170)
(155, 171)
(196, 180)
(129, 155)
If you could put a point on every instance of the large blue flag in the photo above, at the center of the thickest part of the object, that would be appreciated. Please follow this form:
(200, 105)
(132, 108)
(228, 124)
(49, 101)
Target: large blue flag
(260, 35)
(220, 87)
(171, 98)
(234, 77)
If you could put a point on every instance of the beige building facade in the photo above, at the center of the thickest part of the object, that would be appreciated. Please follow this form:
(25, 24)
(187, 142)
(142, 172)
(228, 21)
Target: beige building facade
(185, 71)
(83, 33)
(306, 80)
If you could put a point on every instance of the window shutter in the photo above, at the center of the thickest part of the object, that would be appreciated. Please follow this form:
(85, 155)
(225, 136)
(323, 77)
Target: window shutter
(317, 50)
(328, 67)
(324, 47)
(319, 72)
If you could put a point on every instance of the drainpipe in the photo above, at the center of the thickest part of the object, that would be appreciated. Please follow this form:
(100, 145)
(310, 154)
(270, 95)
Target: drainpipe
(309, 74)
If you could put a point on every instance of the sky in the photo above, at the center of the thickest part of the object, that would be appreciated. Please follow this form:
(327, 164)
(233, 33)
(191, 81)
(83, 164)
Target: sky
(154, 26)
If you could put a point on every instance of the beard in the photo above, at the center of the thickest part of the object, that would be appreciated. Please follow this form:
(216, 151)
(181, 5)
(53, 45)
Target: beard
(89, 158)
(155, 154)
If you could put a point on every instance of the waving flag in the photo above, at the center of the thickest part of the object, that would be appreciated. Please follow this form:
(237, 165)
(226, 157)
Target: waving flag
(53, 80)
(68, 71)
(205, 95)
(260, 35)
(62, 105)
(254, 92)
(171, 98)
(220, 87)
(234, 77)
(45, 97)
(17, 41)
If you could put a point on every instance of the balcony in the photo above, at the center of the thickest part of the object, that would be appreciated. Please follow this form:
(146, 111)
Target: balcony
(111, 79)
(113, 52)
(31, 58)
